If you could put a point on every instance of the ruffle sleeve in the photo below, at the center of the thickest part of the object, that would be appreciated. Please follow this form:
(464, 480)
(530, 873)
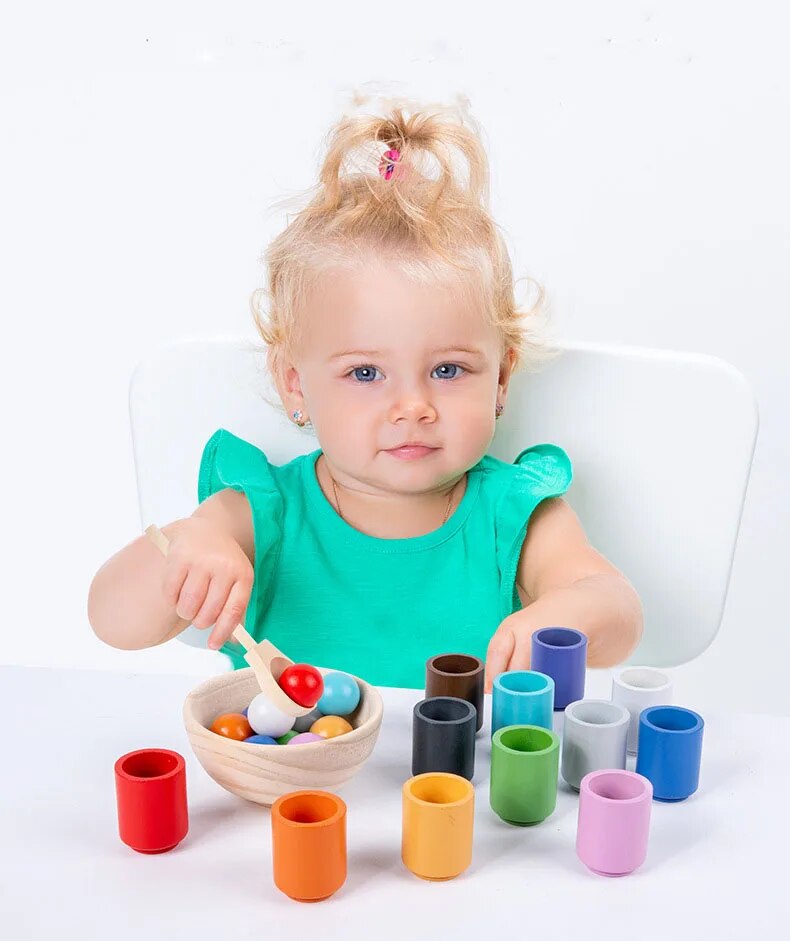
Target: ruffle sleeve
(231, 462)
(538, 472)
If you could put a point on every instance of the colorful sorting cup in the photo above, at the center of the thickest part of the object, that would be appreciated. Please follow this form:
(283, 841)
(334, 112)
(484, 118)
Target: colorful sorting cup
(614, 821)
(522, 697)
(458, 675)
(594, 737)
(561, 653)
(670, 750)
(438, 824)
(637, 688)
(151, 795)
(524, 765)
(309, 844)
(443, 736)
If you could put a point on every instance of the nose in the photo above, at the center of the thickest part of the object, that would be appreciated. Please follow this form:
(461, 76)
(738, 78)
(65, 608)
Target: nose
(413, 407)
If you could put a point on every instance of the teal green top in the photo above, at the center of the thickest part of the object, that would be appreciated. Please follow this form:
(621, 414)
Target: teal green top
(327, 594)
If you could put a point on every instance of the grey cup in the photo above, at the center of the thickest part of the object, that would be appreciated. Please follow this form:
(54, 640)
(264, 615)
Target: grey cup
(594, 738)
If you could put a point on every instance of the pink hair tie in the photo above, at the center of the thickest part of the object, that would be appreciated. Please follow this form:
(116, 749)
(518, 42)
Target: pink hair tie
(387, 163)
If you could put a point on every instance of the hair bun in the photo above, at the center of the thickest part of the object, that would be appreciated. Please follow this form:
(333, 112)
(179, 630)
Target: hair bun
(407, 182)
(390, 164)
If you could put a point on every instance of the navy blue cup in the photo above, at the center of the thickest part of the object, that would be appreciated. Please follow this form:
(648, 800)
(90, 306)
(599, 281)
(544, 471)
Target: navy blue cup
(561, 653)
(669, 751)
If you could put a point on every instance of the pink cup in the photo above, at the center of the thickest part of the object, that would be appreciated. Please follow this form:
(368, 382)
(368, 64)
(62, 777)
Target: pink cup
(614, 821)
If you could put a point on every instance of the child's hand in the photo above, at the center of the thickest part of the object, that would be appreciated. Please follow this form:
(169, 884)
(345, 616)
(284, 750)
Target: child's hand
(208, 578)
(510, 648)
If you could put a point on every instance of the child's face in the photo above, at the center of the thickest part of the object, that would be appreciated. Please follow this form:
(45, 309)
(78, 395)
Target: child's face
(383, 363)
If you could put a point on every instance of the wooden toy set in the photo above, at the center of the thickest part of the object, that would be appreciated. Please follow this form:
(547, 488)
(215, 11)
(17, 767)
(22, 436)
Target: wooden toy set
(286, 735)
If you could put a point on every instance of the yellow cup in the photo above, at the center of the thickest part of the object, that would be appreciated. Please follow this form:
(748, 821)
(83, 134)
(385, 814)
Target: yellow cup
(438, 823)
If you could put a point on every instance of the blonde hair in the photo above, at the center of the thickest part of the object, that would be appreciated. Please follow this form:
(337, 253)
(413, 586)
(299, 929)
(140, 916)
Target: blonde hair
(430, 219)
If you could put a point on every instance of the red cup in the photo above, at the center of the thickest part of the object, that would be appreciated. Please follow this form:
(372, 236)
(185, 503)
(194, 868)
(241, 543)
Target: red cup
(151, 790)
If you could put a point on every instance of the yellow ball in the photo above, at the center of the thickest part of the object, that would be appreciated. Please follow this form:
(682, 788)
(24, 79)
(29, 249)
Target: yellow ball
(330, 726)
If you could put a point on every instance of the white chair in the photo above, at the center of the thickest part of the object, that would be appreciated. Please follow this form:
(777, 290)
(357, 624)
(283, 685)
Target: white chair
(661, 444)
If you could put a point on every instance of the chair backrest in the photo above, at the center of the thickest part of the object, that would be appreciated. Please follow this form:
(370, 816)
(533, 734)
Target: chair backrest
(661, 444)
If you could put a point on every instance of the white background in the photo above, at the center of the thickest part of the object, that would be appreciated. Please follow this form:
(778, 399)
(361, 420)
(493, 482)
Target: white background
(639, 154)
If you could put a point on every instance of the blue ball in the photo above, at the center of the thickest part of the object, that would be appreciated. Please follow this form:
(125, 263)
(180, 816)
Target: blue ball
(244, 710)
(260, 740)
(341, 695)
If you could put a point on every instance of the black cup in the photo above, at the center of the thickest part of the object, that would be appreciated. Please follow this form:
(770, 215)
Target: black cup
(443, 736)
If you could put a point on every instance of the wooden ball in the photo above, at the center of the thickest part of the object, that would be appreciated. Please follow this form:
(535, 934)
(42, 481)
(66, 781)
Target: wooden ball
(267, 719)
(331, 726)
(233, 725)
(305, 723)
(302, 683)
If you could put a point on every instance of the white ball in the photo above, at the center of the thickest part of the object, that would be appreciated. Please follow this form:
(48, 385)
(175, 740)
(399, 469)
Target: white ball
(267, 719)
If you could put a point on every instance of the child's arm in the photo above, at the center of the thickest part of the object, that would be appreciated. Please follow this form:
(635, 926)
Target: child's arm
(567, 583)
(139, 598)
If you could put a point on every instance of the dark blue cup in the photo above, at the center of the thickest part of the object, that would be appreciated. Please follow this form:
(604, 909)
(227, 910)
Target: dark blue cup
(561, 653)
(669, 751)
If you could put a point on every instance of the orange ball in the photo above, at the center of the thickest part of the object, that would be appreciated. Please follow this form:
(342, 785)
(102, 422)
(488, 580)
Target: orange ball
(330, 726)
(233, 725)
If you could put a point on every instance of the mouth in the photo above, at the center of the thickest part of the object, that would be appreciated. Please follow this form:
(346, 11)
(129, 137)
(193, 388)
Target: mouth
(412, 450)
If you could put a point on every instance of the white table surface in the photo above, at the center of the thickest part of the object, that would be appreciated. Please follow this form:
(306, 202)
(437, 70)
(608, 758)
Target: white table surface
(716, 867)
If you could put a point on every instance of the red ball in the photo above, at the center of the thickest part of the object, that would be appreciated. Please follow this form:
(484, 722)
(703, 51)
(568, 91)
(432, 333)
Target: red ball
(303, 683)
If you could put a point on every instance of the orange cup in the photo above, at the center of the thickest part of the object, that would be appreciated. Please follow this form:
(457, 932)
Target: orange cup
(309, 844)
(438, 824)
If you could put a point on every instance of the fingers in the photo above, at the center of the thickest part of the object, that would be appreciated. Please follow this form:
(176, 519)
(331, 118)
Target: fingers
(522, 653)
(216, 596)
(500, 650)
(233, 613)
(192, 595)
(174, 578)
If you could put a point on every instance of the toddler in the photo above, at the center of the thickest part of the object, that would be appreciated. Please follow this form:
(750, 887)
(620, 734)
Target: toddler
(392, 335)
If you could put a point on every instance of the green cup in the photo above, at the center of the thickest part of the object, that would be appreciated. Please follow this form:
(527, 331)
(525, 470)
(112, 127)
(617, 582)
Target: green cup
(525, 761)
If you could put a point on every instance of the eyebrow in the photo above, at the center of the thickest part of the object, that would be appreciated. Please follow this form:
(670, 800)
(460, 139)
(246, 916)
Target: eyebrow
(471, 350)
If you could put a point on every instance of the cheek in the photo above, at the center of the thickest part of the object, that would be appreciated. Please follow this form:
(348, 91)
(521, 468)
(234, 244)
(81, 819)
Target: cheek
(341, 412)
(351, 401)
(470, 422)
(328, 395)
(474, 407)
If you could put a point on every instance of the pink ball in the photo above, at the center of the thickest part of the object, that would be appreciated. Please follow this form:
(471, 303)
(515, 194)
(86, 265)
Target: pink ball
(305, 738)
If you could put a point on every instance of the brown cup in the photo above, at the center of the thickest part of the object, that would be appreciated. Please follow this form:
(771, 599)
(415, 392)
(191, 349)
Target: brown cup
(459, 675)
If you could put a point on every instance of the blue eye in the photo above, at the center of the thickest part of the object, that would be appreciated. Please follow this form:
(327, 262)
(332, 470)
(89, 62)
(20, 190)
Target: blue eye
(448, 371)
(368, 374)
(364, 373)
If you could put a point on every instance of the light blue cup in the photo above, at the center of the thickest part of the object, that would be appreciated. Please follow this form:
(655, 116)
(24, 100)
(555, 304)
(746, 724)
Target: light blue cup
(522, 697)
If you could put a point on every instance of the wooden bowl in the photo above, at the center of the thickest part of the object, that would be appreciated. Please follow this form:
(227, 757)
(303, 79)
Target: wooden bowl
(262, 773)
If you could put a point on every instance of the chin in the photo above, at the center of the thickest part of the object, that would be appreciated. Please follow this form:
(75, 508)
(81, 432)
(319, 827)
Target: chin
(421, 477)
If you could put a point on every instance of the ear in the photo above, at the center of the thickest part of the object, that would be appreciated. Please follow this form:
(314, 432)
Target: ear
(505, 372)
(286, 377)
